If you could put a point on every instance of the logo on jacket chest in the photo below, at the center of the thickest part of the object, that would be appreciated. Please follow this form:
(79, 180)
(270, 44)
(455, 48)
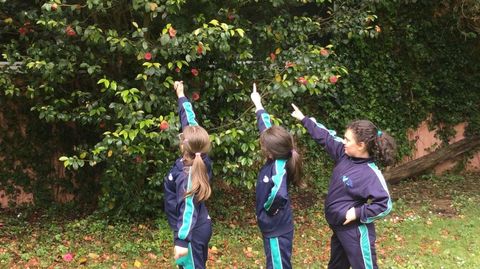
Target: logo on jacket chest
(347, 181)
(266, 179)
(170, 177)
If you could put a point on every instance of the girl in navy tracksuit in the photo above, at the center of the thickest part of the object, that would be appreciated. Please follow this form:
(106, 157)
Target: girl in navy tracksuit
(273, 209)
(187, 187)
(357, 194)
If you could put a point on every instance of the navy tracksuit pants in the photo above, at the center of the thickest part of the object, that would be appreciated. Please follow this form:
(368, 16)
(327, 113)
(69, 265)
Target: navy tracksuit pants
(278, 251)
(197, 248)
(353, 245)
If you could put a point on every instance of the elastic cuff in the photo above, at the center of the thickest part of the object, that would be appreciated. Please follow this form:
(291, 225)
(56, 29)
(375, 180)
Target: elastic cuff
(358, 212)
(259, 111)
(305, 120)
(181, 243)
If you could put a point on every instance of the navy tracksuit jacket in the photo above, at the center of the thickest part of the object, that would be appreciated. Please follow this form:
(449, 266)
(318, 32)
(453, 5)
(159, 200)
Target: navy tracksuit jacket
(188, 219)
(358, 183)
(273, 208)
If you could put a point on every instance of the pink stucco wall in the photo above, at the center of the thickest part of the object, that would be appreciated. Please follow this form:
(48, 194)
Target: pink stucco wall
(426, 142)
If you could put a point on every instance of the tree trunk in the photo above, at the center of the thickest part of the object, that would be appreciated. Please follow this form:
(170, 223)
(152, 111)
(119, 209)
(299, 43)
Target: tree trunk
(427, 162)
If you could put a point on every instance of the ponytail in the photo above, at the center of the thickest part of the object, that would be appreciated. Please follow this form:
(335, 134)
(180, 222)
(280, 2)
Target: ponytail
(384, 148)
(294, 169)
(200, 183)
(195, 142)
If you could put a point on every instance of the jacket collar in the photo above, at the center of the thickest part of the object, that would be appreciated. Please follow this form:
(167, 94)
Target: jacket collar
(361, 160)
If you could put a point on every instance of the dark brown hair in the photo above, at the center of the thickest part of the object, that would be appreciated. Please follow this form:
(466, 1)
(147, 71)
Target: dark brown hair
(380, 145)
(196, 140)
(278, 143)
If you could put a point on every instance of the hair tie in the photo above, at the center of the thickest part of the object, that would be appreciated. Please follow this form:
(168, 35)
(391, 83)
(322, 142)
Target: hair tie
(198, 154)
(379, 133)
(290, 154)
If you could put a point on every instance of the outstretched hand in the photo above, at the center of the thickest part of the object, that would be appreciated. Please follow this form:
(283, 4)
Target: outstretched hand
(256, 98)
(178, 86)
(297, 113)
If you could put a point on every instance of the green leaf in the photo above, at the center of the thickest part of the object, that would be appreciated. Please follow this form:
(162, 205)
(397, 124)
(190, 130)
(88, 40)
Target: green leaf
(164, 39)
(224, 26)
(240, 32)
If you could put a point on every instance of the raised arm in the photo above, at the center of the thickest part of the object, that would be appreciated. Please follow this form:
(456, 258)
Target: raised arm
(263, 119)
(327, 138)
(185, 108)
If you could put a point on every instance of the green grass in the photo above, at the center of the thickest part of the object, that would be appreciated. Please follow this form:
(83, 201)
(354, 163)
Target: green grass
(435, 224)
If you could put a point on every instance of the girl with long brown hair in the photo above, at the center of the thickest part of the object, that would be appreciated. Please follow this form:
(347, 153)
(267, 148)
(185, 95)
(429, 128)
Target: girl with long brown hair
(273, 208)
(187, 188)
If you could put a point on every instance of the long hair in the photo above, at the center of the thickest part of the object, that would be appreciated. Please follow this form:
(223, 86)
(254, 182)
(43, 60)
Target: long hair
(278, 143)
(195, 142)
(380, 145)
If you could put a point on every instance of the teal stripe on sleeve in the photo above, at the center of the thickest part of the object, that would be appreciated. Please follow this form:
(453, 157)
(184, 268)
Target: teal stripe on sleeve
(331, 132)
(266, 120)
(275, 252)
(277, 182)
(365, 246)
(188, 212)
(190, 114)
(383, 214)
(380, 177)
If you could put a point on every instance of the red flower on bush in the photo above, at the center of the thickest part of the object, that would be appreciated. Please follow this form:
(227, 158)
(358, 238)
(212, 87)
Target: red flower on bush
(163, 125)
(333, 79)
(138, 159)
(302, 80)
(101, 125)
(199, 49)
(195, 96)
(194, 72)
(273, 57)
(289, 64)
(23, 30)
(177, 69)
(172, 32)
(54, 7)
(69, 31)
(148, 56)
(324, 52)
(231, 16)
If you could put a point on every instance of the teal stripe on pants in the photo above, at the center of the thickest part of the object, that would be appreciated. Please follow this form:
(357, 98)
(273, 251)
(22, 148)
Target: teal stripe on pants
(275, 251)
(365, 246)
